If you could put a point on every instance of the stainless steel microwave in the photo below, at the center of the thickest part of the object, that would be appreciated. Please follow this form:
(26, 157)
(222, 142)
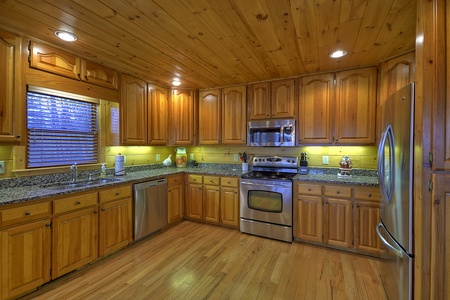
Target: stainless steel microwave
(273, 133)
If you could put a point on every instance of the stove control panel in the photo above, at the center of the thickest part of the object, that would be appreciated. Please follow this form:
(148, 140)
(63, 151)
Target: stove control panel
(275, 161)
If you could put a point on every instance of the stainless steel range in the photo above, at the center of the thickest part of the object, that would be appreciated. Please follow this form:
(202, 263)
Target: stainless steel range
(266, 197)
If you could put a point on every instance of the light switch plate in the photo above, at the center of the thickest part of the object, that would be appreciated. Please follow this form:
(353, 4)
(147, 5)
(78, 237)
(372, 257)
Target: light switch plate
(2, 167)
(236, 157)
(191, 156)
(325, 160)
(158, 157)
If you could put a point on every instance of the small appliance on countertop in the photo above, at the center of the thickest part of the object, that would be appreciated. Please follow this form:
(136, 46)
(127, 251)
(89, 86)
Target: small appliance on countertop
(303, 169)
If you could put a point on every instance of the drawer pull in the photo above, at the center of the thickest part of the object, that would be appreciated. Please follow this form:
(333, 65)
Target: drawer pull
(369, 195)
(357, 205)
(211, 181)
(78, 203)
(309, 189)
(338, 192)
(228, 182)
(103, 209)
(27, 213)
(175, 180)
(117, 194)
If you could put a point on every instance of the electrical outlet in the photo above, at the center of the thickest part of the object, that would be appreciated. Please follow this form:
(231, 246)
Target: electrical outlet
(124, 159)
(158, 157)
(191, 156)
(325, 160)
(2, 167)
(236, 157)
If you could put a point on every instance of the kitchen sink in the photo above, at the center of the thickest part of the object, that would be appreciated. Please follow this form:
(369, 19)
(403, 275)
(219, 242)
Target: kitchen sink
(68, 186)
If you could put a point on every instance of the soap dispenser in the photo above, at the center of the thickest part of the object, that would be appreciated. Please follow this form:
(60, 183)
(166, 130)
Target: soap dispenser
(103, 171)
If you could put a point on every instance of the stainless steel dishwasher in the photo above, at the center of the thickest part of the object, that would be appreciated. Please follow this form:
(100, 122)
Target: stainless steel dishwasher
(149, 207)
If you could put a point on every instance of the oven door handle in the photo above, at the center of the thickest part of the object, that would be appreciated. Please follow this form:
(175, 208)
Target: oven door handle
(258, 184)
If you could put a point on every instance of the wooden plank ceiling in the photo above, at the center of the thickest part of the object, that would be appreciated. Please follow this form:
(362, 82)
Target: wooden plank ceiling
(211, 43)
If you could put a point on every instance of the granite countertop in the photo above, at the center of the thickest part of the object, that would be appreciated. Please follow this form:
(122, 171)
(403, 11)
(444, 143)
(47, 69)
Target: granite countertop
(17, 190)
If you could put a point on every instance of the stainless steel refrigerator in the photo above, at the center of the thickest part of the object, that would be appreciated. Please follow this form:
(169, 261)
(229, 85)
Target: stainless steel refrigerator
(395, 172)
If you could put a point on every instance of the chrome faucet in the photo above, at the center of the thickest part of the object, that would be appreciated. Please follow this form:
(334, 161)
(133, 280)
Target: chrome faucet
(74, 169)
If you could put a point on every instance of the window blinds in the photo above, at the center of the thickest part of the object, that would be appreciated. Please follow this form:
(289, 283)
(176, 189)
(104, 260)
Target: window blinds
(61, 131)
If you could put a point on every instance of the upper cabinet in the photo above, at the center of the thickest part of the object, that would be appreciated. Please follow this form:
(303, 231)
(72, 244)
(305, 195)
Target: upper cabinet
(234, 115)
(133, 102)
(316, 97)
(210, 106)
(183, 112)
(356, 106)
(272, 100)
(10, 87)
(52, 60)
(157, 115)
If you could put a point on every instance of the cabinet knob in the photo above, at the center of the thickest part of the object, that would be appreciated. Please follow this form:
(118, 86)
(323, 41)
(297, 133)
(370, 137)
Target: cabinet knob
(369, 195)
(79, 75)
(103, 209)
(338, 192)
(95, 211)
(27, 213)
(309, 189)
(117, 194)
(357, 205)
(48, 225)
(86, 77)
(78, 202)
(211, 181)
(18, 136)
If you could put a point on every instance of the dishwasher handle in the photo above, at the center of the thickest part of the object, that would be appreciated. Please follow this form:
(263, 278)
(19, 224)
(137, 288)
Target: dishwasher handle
(147, 184)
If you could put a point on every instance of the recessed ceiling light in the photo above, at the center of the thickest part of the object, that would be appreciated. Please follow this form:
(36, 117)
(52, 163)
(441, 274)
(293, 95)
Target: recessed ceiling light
(176, 82)
(66, 36)
(338, 53)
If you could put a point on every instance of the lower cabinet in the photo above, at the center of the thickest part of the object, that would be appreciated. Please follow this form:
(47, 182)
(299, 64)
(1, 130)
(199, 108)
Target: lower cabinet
(25, 258)
(175, 198)
(340, 216)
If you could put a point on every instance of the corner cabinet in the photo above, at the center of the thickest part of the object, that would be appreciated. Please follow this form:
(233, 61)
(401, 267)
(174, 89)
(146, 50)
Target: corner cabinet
(11, 87)
(356, 106)
(183, 108)
(234, 115)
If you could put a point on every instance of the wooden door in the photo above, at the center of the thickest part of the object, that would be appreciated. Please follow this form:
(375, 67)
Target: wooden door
(259, 98)
(134, 111)
(234, 121)
(211, 204)
(229, 206)
(338, 222)
(316, 106)
(99, 75)
(210, 117)
(355, 106)
(74, 241)
(157, 117)
(283, 99)
(175, 203)
(182, 110)
(366, 218)
(194, 201)
(308, 225)
(25, 252)
(114, 226)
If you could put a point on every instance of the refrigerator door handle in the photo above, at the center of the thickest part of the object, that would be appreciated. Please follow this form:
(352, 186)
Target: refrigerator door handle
(387, 135)
(397, 252)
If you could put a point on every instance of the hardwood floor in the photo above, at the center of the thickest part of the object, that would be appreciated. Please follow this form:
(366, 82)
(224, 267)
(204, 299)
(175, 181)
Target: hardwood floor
(198, 261)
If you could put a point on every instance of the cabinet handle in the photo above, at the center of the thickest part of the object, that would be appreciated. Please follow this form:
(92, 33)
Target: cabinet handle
(369, 195)
(18, 136)
(103, 209)
(338, 192)
(95, 211)
(79, 76)
(309, 189)
(48, 225)
(27, 213)
(78, 202)
(211, 181)
(357, 205)
(175, 180)
(86, 77)
(117, 194)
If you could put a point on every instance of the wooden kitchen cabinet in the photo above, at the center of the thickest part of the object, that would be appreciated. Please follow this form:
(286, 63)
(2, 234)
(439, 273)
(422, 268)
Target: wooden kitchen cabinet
(115, 219)
(355, 106)
(229, 201)
(175, 198)
(183, 112)
(234, 115)
(210, 116)
(194, 197)
(25, 255)
(10, 87)
(338, 229)
(157, 116)
(211, 203)
(309, 215)
(316, 99)
(133, 111)
(59, 62)
(272, 100)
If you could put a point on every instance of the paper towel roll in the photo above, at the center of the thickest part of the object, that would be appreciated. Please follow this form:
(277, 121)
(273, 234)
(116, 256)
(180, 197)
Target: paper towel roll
(119, 165)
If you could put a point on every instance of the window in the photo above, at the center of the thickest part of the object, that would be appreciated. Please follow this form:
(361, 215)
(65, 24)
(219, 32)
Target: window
(61, 130)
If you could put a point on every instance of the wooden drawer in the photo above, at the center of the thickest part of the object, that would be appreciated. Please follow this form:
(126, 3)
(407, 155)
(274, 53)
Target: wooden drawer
(114, 194)
(174, 180)
(75, 202)
(367, 193)
(192, 178)
(211, 180)
(338, 191)
(229, 181)
(25, 213)
(310, 189)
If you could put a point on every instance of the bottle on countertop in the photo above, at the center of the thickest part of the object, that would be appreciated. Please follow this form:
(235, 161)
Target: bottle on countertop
(103, 171)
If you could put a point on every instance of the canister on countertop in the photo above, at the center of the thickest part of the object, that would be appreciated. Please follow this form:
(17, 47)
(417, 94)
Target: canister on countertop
(181, 157)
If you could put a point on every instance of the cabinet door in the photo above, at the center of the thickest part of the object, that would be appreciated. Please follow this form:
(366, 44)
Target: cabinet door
(25, 258)
(229, 206)
(134, 111)
(308, 224)
(99, 75)
(157, 116)
(316, 100)
(356, 106)
(283, 99)
(183, 126)
(234, 122)
(209, 117)
(10, 124)
(211, 204)
(367, 217)
(194, 201)
(338, 222)
(175, 203)
(259, 105)
(114, 226)
(75, 240)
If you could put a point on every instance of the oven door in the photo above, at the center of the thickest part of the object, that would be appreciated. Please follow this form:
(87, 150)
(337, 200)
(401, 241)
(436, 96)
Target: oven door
(267, 201)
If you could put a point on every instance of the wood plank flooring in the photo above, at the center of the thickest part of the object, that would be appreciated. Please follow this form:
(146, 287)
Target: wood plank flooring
(198, 261)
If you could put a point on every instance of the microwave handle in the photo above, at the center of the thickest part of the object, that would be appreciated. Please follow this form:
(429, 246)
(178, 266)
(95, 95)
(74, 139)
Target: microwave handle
(282, 135)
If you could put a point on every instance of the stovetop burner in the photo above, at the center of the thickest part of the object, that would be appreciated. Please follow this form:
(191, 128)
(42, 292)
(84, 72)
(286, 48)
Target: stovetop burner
(273, 167)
